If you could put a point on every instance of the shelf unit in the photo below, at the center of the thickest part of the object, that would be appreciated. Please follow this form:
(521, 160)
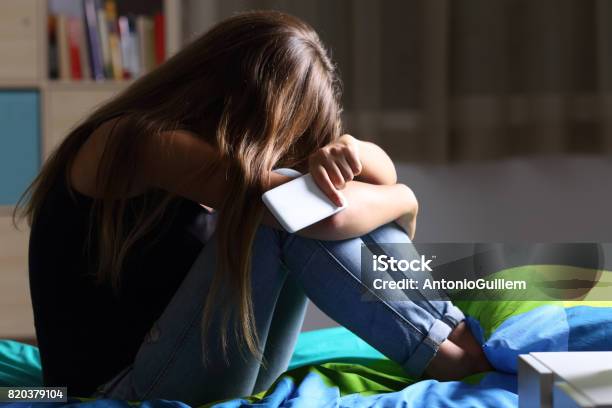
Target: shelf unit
(86, 94)
(60, 105)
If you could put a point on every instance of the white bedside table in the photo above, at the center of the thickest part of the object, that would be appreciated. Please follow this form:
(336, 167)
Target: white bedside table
(565, 379)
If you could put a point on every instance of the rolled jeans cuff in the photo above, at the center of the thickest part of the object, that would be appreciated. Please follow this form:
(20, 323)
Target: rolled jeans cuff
(426, 350)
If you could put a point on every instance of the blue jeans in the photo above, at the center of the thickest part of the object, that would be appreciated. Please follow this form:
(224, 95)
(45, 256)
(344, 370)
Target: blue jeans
(286, 269)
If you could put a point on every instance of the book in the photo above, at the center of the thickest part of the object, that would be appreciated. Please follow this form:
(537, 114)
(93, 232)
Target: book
(135, 41)
(104, 43)
(88, 39)
(61, 34)
(144, 26)
(53, 62)
(73, 29)
(93, 38)
(126, 48)
(129, 46)
(160, 39)
(84, 50)
(114, 40)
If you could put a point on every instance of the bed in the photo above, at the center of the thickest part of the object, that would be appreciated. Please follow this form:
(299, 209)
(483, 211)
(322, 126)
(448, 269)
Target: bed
(333, 367)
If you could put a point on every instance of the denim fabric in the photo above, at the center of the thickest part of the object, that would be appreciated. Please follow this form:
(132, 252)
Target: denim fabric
(286, 269)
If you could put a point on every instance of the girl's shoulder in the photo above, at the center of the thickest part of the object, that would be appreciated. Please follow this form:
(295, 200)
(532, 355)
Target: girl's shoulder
(85, 168)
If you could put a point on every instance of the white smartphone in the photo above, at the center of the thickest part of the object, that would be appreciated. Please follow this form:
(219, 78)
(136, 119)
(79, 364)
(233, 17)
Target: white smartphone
(299, 203)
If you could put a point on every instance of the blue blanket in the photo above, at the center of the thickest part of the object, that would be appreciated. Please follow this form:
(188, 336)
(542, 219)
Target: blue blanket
(333, 367)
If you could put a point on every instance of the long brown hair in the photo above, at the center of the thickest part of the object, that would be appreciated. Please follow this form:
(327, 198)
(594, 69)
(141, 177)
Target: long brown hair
(261, 88)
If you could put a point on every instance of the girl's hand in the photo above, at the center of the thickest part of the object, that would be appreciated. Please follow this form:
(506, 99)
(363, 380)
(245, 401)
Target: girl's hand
(334, 165)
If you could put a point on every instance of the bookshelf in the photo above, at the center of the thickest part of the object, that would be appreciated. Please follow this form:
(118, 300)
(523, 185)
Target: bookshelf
(65, 101)
(45, 110)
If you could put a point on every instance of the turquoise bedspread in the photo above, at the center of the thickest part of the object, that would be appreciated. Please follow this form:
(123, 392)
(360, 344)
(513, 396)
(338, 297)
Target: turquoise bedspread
(330, 367)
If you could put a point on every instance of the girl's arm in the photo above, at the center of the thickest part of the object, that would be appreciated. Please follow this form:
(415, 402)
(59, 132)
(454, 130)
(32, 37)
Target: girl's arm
(369, 207)
(182, 163)
(178, 162)
(373, 199)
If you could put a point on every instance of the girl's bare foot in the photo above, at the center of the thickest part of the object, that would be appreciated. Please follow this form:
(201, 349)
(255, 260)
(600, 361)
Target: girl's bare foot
(463, 337)
(458, 357)
(451, 362)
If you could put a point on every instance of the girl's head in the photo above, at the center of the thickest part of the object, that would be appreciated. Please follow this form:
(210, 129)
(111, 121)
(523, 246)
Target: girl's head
(259, 85)
(261, 88)
(273, 86)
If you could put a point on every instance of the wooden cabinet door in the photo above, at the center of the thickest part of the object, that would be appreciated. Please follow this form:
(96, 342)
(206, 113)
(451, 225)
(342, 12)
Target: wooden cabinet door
(20, 51)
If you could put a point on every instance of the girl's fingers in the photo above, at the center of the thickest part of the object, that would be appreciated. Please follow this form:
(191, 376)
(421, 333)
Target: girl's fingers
(320, 176)
(335, 175)
(352, 157)
(346, 170)
(351, 153)
(332, 168)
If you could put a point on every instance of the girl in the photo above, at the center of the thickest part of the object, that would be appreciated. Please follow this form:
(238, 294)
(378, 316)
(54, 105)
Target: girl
(156, 272)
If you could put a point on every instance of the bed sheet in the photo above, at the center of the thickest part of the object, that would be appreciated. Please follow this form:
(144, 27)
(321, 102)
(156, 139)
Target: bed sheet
(334, 368)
